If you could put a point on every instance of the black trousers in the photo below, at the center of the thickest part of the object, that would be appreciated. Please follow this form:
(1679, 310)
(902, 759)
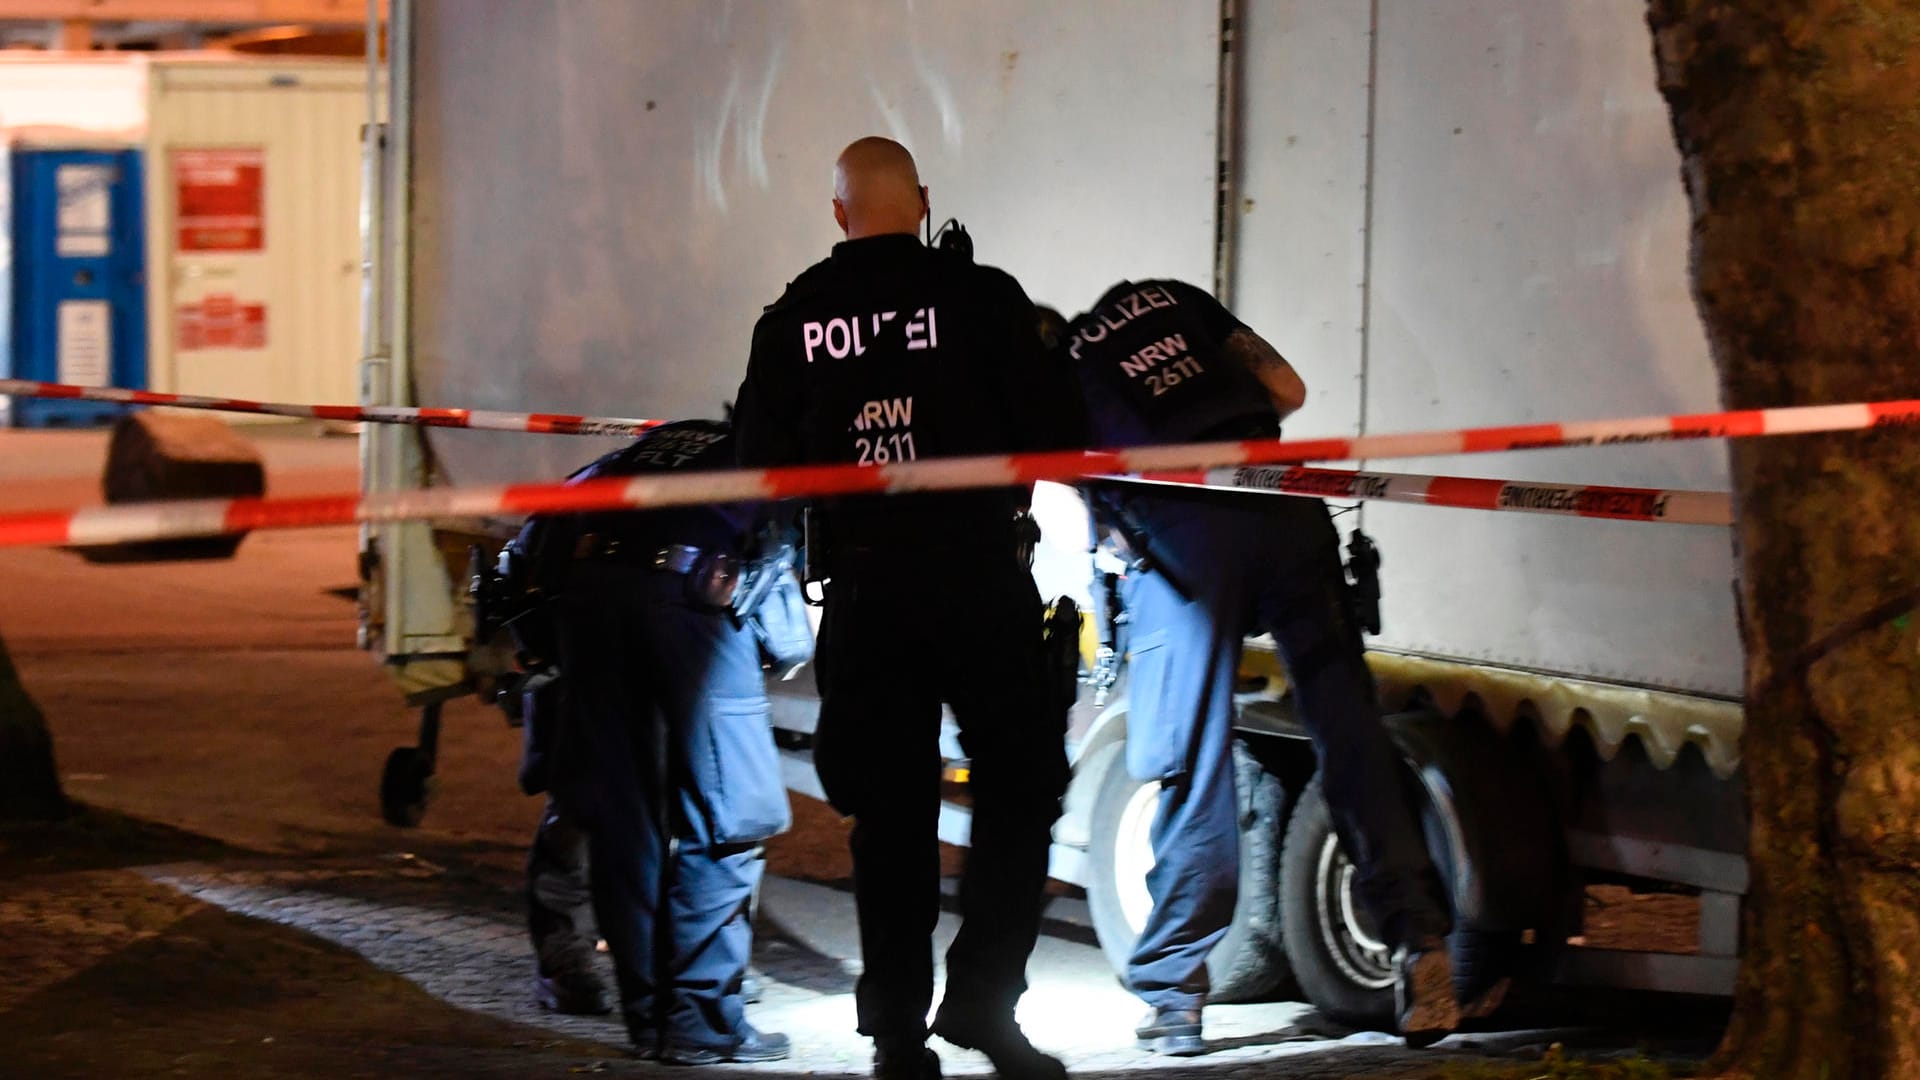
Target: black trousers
(665, 754)
(899, 638)
(558, 893)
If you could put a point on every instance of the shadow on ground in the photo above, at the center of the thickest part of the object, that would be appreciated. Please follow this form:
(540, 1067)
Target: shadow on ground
(96, 839)
(135, 949)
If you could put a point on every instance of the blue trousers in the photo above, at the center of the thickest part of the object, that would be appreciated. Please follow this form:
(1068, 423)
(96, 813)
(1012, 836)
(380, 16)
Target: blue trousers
(1272, 565)
(666, 755)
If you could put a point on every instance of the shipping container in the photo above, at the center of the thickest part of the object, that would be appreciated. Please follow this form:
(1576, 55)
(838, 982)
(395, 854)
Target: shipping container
(1445, 215)
(250, 197)
(253, 196)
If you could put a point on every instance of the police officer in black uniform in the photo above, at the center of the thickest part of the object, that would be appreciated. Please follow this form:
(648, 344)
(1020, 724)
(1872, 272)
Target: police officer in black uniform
(889, 351)
(663, 751)
(1164, 362)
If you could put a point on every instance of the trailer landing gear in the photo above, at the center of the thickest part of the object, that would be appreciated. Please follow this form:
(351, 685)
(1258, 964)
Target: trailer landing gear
(406, 784)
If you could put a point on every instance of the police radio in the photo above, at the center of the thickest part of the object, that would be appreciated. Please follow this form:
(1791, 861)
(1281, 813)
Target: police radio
(952, 237)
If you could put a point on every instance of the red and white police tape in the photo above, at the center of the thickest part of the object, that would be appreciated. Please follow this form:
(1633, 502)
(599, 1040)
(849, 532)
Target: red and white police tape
(477, 419)
(154, 521)
(1671, 507)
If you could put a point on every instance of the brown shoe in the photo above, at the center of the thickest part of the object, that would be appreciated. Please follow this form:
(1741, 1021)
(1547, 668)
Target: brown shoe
(1423, 993)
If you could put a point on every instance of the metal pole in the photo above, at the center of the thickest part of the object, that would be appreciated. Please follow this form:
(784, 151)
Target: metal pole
(1226, 232)
(373, 238)
(393, 386)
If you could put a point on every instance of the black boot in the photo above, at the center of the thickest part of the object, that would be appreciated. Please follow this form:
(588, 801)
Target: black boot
(904, 1059)
(567, 983)
(1001, 1039)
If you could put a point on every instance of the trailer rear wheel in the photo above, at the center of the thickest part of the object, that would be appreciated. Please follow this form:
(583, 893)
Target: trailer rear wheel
(1249, 963)
(1343, 965)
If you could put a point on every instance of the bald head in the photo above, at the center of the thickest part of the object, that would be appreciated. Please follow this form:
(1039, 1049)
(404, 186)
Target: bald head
(876, 189)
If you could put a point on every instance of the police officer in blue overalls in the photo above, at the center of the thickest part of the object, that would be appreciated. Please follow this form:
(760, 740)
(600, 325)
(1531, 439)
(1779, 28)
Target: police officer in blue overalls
(663, 752)
(890, 351)
(1163, 362)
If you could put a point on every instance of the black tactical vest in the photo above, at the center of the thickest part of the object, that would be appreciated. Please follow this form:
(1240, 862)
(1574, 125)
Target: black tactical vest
(1149, 358)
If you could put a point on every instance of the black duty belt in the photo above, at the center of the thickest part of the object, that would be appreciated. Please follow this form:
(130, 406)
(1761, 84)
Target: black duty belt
(712, 576)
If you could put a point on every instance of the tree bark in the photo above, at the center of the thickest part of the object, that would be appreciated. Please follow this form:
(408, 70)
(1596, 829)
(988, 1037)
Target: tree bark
(1799, 125)
(29, 784)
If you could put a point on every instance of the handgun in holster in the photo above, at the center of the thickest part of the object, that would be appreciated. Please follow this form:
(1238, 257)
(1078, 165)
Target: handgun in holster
(771, 560)
(1110, 622)
(813, 559)
(1136, 546)
(1026, 537)
(1060, 636)
(1363, 581)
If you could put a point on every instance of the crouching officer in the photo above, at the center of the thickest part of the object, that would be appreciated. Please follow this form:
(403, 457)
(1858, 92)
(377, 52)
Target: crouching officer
(1163, 362)
(662, 752)
(889, 351)
(558, 890)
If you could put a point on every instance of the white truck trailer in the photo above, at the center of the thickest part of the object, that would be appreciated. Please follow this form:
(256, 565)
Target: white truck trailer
(1445, 214)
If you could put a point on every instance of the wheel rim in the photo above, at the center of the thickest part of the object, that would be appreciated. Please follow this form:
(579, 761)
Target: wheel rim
(1133, 854)
(1346, 931)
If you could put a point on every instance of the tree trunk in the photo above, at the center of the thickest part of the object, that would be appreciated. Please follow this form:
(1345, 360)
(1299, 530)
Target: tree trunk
(1799, 124)
(29, 785)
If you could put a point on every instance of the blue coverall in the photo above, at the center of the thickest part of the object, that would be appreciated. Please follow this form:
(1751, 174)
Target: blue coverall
(1260, 563)
(664, 753)
(1155, 367)
(658, 689)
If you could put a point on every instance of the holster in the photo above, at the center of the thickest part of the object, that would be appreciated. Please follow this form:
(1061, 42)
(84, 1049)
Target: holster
(1134, 543)
(814, 554)
(1363, 581)
(1061, 638)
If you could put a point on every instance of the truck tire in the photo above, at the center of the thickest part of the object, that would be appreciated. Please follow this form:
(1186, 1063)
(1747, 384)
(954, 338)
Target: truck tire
(1249, 963)
(1342, 965)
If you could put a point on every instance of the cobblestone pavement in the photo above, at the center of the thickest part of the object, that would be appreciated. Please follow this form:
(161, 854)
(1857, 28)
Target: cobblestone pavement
(462, 939)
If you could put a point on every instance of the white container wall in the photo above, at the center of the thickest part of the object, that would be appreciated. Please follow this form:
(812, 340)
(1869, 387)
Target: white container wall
(1446, 214)
(253, 202)
(105, 96)
(606, 193)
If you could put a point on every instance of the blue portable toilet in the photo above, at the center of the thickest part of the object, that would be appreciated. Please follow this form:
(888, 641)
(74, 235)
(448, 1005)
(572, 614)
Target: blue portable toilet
(77, 278)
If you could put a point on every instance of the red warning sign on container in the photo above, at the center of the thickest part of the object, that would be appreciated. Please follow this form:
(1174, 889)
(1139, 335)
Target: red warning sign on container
(219, 321)
(218, 201)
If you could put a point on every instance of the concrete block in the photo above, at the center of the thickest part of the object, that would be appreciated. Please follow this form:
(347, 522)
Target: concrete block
(157, 457)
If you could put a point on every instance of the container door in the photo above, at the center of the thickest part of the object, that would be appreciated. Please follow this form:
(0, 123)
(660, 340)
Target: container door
(79, 278)
(256, 201)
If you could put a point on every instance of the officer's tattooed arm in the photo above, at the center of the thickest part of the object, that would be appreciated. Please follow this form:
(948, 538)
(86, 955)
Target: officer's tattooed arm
(1264, 362)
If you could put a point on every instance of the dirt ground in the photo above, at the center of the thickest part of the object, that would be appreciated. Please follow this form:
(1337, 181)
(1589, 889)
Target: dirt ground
(218, 712)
